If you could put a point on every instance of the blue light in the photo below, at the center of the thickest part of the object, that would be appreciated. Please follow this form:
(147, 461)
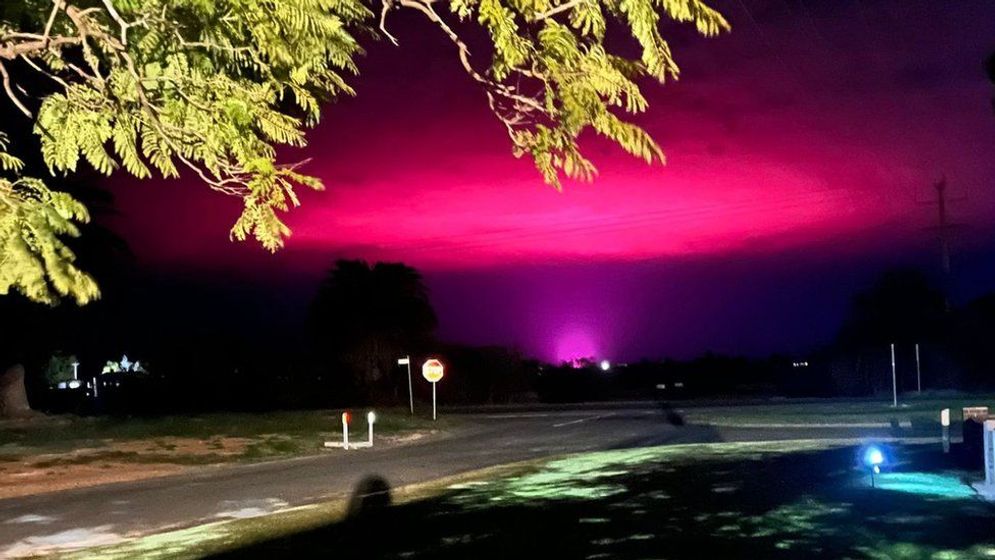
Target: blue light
(874, 457)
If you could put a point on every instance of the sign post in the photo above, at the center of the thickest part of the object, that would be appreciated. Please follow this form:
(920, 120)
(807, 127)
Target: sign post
(406, 361)
(432, 370)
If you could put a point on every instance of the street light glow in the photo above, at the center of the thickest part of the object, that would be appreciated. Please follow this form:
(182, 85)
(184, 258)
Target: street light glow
(874, 458)
(605, 365)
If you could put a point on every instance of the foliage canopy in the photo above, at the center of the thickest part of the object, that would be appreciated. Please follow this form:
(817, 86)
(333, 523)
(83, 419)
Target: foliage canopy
(212, 87)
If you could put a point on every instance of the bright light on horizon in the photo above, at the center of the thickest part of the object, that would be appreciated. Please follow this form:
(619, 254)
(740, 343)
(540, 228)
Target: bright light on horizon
(605, 365)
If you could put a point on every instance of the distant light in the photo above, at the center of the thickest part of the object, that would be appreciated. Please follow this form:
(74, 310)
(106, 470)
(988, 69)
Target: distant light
(74, 384)
(605, 365)
(371, 417)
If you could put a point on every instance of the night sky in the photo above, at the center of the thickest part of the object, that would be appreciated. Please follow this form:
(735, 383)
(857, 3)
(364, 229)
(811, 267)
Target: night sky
(801, 152)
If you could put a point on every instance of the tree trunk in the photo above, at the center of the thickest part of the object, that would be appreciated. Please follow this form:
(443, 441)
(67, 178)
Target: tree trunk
(13, 396)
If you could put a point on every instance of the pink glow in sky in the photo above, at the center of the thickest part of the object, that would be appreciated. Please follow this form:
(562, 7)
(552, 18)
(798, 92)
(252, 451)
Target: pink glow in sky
(819, 127)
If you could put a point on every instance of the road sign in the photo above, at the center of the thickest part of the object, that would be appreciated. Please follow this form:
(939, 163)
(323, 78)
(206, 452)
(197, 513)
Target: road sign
(403, 361)
(432, 370)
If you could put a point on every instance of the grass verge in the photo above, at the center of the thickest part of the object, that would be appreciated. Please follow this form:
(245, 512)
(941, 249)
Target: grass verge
(739, 500)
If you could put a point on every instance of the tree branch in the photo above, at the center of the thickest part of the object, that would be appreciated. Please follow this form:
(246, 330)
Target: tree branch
(10, 92)
(565, 7)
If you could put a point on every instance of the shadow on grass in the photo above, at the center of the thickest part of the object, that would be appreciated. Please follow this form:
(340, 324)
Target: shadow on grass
(688, 502)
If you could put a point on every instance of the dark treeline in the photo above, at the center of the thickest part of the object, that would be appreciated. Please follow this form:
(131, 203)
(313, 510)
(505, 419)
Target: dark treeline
(365, 317)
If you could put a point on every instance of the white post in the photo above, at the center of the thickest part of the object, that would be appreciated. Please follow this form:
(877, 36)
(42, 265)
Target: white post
(411, 394)
(894, 379)
(989, 452)
(945, 424)
(75, 370)
(433, 400)
(918, 372)
(371, 417)
(345, 430)
(95, 387)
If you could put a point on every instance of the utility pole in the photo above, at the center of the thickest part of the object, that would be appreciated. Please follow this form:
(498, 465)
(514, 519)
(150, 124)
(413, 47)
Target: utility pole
(894, 379)
(944, 229)
(918, 372)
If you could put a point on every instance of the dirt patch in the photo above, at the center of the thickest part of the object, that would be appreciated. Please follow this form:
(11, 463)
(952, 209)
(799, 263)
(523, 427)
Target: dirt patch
(115, 461)
(22, 479)
(225, 446)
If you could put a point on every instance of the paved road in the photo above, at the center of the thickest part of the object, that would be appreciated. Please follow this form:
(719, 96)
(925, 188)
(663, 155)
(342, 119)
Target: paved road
(209, 494)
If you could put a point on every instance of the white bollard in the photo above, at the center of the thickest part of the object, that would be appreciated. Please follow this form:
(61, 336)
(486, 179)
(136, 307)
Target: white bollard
(371, 418)
(945, 423)
(344, 444)
(345, 430)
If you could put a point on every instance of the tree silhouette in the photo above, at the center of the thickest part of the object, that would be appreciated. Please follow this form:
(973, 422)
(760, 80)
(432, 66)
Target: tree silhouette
(902, 307)
(367, 316)
(990, 66)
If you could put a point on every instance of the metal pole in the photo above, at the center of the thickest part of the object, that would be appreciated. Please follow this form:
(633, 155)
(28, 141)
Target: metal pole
(411, 395)
(433, 400)
(918, 372)
(894, 379)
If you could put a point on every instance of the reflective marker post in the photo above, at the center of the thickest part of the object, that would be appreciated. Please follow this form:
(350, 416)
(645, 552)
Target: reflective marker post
(371, 418)
(345, 430)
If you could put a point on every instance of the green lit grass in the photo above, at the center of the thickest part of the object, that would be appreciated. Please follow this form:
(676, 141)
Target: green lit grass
(686, 502)
(920, 411)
